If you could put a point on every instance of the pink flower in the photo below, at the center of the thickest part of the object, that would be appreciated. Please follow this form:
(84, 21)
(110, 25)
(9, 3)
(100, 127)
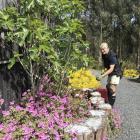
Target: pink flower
(64, 100)
(26, 137)
(57, 136)
(12, 103)
(69, 114)
(1, 127)
(42, 136)
(117, 118)
(62, 115)
(27, 130)
(74, 138)
(65, 125)
(104, 138)
(46, 77)
(42, 125)
(8, 136)
(43, 111)
(41, 93)
(10, 128)
(48, 105)
(33, 112)
(54, 97)
(41, 87)
(19, 108)
(61, 107)
(24, 94)
(1, 101)
(51, 123)
(31, 99)
(49, 94)
(5, 113)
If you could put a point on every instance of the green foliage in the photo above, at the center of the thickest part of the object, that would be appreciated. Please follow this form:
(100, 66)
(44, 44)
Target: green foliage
(128, 64)
(49, 34)
(111, 21)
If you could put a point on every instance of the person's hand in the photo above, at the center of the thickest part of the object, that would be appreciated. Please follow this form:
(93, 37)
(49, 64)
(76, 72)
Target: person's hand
(98, 78)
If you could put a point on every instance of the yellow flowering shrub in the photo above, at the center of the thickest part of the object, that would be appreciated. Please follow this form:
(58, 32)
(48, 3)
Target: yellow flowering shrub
(83, 79)
(130, 73)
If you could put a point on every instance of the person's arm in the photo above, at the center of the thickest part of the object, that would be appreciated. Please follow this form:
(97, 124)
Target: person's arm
(112, 60)
(108, 71)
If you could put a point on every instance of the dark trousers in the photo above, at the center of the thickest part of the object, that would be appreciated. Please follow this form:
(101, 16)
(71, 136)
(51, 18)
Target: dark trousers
(111, 99)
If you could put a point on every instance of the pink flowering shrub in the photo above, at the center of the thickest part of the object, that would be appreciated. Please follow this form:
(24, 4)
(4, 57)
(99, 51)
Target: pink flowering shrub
(116, 118)
(45, 115)
(114, 123)
(1, 101)
(42, 117)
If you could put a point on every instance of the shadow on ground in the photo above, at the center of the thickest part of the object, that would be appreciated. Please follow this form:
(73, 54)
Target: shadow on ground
(135, 80)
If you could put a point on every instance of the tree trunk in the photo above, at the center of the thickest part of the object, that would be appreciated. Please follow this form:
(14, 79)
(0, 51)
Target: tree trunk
(101, 39)
(138, 52)
(120, 47)
(13, 83)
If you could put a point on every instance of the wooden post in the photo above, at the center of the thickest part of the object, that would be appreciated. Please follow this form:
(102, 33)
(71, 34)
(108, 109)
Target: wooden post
(91, 129)
(98, 135)
(82, 132)
(86, 136)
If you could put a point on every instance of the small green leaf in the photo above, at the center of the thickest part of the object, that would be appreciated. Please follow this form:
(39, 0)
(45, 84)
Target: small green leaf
(12, 62)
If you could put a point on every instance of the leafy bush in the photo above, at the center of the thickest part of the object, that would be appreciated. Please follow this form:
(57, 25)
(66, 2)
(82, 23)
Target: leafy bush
(46, 37)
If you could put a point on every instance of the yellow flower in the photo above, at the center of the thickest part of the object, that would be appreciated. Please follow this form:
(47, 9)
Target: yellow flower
(83, 79)
(131, 73)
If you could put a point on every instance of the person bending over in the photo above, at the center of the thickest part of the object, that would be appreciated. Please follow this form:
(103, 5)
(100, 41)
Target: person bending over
(113, 71)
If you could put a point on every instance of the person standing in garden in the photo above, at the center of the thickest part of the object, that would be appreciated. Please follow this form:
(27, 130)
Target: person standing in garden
(113, 71)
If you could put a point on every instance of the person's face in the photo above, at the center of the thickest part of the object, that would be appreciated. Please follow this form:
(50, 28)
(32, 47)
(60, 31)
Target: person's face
(104, 50)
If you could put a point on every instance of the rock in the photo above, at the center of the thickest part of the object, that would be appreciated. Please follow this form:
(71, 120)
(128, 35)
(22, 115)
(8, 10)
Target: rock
(106, 107)
(97, 113)
(97, 100)
(93, 123)
(82, 132)
(95, 94)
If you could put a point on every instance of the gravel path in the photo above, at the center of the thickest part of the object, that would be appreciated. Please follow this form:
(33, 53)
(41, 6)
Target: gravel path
(128, 102)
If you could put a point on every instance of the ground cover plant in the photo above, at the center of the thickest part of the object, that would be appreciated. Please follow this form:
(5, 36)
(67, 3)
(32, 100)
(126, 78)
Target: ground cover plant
(43, 117)
(131, 73)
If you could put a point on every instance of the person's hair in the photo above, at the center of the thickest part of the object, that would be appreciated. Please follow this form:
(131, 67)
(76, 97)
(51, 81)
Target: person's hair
(104, 44)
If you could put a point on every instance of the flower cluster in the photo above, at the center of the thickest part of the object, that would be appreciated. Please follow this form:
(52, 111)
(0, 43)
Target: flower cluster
(1, 101)
(131, 73)
(36, 119)
(116, 118)
(42, 117)
(114, 123)
(83, 79)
